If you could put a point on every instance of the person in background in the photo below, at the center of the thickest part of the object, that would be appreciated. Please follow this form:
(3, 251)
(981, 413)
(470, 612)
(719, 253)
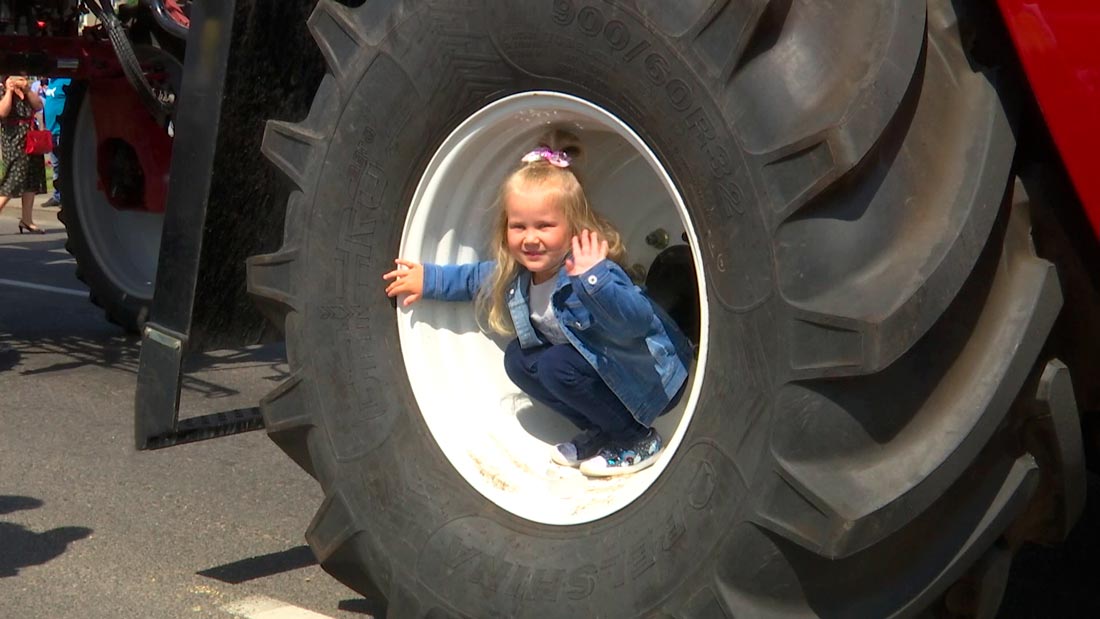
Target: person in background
(54, 103)
(38, 85)
(23, 175)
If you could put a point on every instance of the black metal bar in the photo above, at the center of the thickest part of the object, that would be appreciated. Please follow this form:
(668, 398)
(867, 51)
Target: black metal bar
(164, 342)
(209, 426)
(157, 397)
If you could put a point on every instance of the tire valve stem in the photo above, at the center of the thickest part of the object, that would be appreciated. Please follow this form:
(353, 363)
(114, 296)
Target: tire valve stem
(658, 239)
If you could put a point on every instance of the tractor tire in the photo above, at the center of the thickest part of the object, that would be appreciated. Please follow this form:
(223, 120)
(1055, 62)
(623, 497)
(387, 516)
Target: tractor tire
(116, 252)
(877, 312)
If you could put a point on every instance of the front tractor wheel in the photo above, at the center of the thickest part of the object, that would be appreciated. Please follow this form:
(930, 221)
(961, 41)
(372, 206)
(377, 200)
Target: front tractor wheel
(107, 185)
(834, 190)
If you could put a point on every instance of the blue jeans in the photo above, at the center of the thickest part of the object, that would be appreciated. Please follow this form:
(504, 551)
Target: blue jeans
(559, 377)
(55, 164)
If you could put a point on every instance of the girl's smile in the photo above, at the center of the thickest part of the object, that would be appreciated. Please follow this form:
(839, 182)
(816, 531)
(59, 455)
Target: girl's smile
(539, 237)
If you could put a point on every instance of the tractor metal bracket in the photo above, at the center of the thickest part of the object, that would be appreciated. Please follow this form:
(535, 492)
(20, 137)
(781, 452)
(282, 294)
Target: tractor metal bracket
(164, 341)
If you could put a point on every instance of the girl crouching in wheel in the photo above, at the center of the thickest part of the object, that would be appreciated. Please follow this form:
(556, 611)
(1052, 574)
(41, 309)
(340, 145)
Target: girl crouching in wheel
(589, 344)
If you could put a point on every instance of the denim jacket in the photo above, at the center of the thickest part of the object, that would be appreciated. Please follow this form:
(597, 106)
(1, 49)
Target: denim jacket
(634, 345)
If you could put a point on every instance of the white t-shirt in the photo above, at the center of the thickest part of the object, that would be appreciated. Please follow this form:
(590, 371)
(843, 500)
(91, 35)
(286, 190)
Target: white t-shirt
(542, 311)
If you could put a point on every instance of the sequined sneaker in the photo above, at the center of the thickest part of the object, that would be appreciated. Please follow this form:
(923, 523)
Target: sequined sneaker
(578, 449)
(624, 458)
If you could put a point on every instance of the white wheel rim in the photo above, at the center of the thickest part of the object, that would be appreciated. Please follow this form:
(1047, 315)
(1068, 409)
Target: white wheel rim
(124, 243)
(493, 435)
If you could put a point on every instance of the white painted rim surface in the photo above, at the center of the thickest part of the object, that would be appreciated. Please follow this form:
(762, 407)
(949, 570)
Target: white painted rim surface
(490, 431)
(124, 243)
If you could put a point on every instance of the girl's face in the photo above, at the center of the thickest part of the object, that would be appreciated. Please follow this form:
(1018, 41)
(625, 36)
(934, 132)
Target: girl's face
(539, 237)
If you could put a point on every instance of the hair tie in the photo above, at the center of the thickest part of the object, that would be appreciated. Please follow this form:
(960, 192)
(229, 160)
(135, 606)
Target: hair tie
(556, 158)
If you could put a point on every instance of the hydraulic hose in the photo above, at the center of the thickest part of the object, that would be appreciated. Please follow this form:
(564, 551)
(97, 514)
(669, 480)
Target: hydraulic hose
(165, 19)
(131, 66)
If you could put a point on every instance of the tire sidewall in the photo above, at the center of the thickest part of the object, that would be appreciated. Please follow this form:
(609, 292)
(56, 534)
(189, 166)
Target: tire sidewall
(429, 533)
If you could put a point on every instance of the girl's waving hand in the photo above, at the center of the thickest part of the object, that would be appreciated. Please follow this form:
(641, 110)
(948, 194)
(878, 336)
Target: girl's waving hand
(588, 251)
(407, 281)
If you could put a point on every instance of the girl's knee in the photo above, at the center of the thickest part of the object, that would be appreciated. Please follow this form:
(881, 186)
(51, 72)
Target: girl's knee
(513, 361)
(562, 366)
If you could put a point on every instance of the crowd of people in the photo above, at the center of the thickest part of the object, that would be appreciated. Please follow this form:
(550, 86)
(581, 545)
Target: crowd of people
(28, 105)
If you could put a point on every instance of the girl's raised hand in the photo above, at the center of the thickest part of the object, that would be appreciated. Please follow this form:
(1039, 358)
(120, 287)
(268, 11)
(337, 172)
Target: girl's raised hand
(408, 281)
(588, 251)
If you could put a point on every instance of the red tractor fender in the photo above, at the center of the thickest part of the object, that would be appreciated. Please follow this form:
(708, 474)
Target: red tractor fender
(1057, 44)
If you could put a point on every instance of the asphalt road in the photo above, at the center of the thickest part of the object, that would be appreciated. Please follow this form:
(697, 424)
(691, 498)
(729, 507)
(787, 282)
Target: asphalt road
(91, 528)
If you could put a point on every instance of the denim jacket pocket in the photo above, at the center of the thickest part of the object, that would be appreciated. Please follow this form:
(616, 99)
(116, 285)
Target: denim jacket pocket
(575, 315)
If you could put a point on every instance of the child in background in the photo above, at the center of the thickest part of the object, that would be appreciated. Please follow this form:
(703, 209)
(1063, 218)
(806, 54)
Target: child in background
(589, 343)
(54, 107)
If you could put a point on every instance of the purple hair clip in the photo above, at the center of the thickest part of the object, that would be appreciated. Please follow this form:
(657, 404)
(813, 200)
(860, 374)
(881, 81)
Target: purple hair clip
(556, 158)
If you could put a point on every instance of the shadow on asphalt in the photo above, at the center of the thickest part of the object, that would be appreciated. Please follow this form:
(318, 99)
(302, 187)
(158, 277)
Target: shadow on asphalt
(261, 566)
(122, 352)
(9, 357)
(74, 351)
(21, 547)
(38, 244)
(288, 560)
(364, 607)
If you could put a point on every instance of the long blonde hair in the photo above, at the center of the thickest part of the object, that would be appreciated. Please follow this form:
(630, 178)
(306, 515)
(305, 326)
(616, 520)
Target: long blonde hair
(569, 194)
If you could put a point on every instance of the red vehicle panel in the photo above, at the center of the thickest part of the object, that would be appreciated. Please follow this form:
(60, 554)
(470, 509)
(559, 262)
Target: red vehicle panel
(1057, 43)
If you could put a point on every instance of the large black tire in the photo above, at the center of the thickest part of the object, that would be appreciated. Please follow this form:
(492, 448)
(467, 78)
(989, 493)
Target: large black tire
(877, 309)
(102, 262)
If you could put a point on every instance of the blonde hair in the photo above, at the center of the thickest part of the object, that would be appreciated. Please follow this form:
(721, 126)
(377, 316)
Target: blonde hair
(569, 195)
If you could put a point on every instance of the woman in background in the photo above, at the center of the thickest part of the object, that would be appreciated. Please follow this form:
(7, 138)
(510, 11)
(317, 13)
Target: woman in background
(23, 175)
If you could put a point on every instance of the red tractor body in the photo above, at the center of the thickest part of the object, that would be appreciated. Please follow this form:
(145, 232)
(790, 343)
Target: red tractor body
(1056, 42)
